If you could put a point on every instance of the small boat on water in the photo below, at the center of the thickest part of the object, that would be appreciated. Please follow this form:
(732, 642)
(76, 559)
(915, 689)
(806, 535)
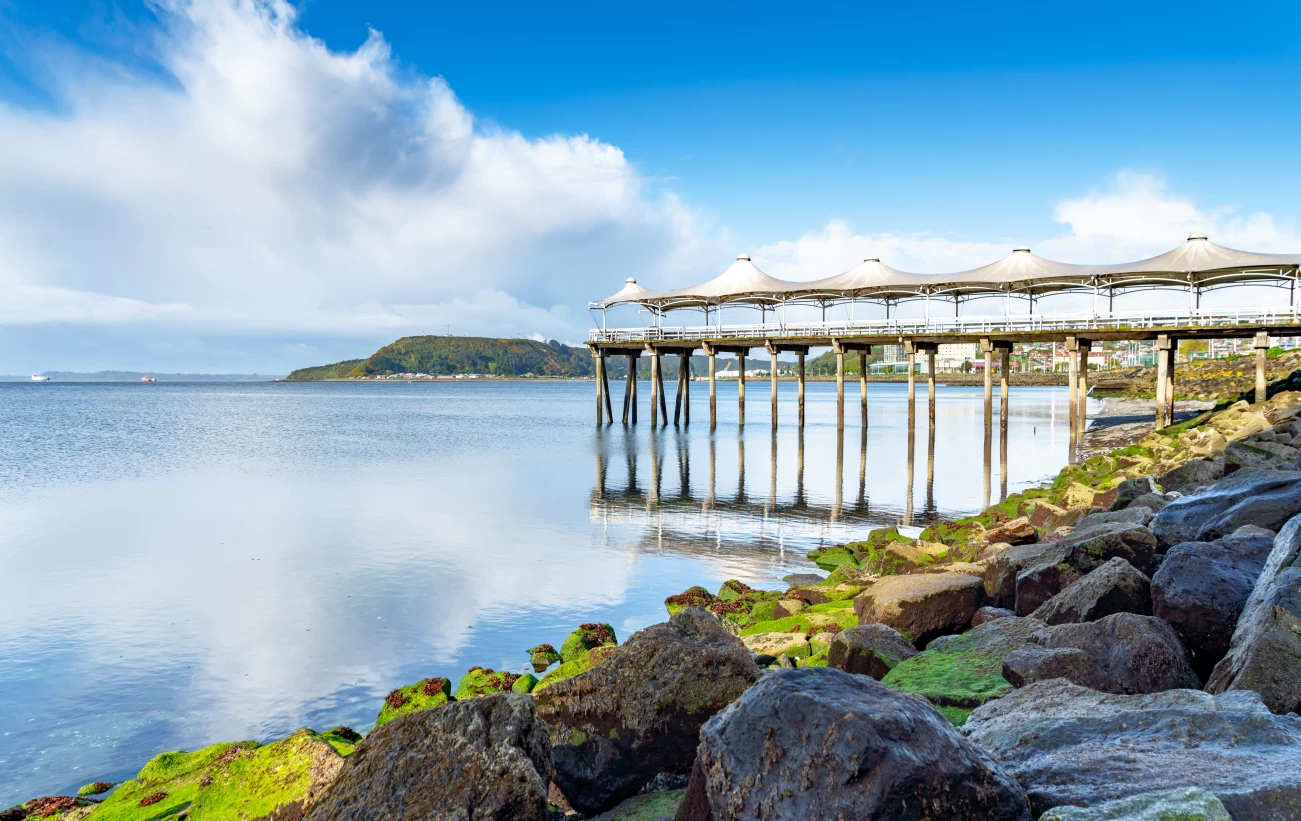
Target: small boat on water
(39, 378)
(147, 379)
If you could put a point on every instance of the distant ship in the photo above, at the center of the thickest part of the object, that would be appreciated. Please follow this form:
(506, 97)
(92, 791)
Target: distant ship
(147, 379)
(37, 378)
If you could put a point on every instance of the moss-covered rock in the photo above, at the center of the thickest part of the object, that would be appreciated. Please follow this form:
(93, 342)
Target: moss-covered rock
(343, 739)
(228, 782)
(51, 806)
(734, 589)
(542, 657)
(967, 670)
(580, 642)
(648, 807)
(524, 683)
(830, 558)
(484, 681)
(95, 788)
(567, 669)
(815, 619)
(423, 695)
(694, 596)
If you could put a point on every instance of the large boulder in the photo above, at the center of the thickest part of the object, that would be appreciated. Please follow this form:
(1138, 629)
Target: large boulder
(488, 759)
(1078, 554)
(1137, 515)
(1201, 588)
(869, 650)
(1013, 532)
(1114, 587)
(1259, 455)
(1266, 499)
(820, 743)
(1130, 489)
(1155, 502)
(967, 670)
(922, 606)
(1186, 804)
(1140, 654)
(1071, 745)
(1030, 663)
(1192, 474)
(1265, 651)
(638, 713)
(1004, 566)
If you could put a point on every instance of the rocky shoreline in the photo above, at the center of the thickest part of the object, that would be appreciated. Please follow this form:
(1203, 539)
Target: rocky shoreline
(1124, 643)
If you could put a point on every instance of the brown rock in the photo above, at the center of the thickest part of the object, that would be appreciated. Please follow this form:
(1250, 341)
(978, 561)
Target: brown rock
(1014, 532)
(988, 614)
(785, 608)
(1113, 587)
(869, 650)
(922, 606)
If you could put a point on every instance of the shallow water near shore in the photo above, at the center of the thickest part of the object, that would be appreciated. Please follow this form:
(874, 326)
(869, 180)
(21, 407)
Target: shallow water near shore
(192, 563)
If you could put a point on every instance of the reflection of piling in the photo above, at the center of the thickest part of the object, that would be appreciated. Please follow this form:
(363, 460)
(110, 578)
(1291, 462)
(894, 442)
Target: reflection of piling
(799, 469)
(684, 469)
(740, 469)
(912, 437)
(655, 463)
(600, 466)
(862, 471)
(840, 475)
(709, 501)
(930, 472)
(630, 457)
(772, 477)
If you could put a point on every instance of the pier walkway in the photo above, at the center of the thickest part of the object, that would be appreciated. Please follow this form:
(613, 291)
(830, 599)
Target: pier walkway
(1195, 268)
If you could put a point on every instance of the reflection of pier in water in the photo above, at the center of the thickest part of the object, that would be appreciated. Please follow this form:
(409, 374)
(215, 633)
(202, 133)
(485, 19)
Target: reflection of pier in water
(623, 493)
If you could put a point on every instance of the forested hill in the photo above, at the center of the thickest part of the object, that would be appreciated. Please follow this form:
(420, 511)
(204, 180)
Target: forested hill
(447, 355)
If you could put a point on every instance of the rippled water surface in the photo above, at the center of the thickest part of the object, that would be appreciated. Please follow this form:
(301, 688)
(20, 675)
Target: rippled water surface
(191, 563)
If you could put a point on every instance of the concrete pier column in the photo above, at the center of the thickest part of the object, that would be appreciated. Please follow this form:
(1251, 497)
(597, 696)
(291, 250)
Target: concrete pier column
(799, 376)
(713, 388)
(600, 378)
(628, 382)
(1163, 343)
(1072, 385)
(1005, 369)
(1082, 391)
(659, 380)
(686, 389)
(840, 385)
(740, 389)
(912, 377)
(1170, 381)
(605, 389)
(772, 377)
(912, 441)
(987, 348)
(632, 384)
(655, 381)
(677, 394)
(862, 383)
(1261, 344)
(930, 388)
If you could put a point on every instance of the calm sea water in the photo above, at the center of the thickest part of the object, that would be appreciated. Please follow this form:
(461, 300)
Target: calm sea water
(191, 563)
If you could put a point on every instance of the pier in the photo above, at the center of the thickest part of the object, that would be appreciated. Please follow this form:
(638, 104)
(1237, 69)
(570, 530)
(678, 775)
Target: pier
(1196, 268)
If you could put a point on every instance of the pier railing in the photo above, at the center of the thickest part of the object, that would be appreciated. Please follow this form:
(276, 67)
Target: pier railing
(961, 325)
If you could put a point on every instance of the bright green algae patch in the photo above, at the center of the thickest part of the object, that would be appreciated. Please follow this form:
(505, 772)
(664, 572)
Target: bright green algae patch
(479, 681)
(581, 641)
(567, 669)
(224, 782)
(424, 694)
(694, 596)
(966, 671)
(957, 716)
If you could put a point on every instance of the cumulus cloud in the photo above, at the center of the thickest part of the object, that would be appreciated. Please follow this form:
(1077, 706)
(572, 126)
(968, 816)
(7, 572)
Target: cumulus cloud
(254, 179)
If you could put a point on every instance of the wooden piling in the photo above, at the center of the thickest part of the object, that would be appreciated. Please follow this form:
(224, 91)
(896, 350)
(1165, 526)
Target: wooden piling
(1072, 387)
(1002, 386)
(1162, 363)
(605, 391)
(654, 397)
(600, 369)
(677, 394)
(632, 382)
(1082, 391)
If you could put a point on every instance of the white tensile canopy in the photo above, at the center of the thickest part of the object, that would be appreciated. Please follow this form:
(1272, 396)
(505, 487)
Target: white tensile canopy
(1198, 263)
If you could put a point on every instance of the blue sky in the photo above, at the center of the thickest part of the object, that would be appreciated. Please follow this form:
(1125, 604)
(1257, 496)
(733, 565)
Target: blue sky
(311, 191)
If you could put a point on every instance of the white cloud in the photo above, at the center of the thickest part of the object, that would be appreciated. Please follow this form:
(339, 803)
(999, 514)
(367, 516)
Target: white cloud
(271, 183)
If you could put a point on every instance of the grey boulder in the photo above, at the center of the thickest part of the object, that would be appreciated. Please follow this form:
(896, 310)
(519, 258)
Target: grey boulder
(1032, 662)
(638, 713)
(1266, 499)
(1201, 588)
(1130, 489)
(487, 759)
(1114, 587)
(1265, 651)
(1139, 654)
(869, 650)
(820, 743)
(1186, 804)
(1137, 515)
(1192, 474)
(1079, 553)
(1069, 745)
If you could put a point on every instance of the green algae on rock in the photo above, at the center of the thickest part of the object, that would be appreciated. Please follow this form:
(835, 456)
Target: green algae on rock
(430, 692)
(694, 596)
(580, 642)
(95, 788)
(734, 589)
(484, 681)
(228, 782)
(650, 806)
(967, 670)
(567, 669)
(542, 657)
